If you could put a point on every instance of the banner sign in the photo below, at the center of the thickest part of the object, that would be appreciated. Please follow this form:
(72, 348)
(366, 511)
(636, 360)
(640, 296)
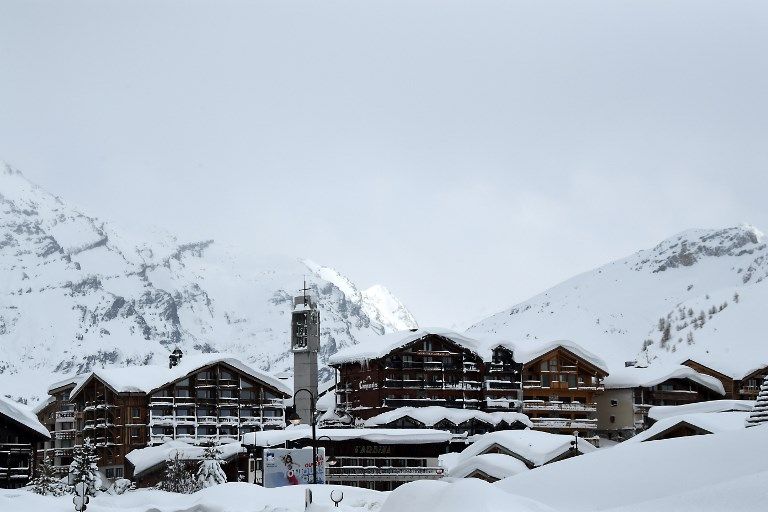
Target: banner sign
(292, 466)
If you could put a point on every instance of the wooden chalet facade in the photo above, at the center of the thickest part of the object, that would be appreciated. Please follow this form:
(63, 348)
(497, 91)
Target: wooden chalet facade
(431, 370)
(212, 403)
(744, 388)
(560, 390)
(58, 416)
(18, 446)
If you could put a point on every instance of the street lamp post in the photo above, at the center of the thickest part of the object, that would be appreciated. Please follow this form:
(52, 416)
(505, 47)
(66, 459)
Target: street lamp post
(295, 419)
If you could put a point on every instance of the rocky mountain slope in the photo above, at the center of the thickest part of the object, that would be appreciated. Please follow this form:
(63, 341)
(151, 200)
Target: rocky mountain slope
(701, 294)
(76, 292)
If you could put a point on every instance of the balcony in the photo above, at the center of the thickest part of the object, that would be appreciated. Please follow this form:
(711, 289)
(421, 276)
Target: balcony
(160, 400)
(229, 420)
(161, 420)
(64, 434)
(539, 405)
(207, 420)
(562, 423)
(383, 473)
(65, 415)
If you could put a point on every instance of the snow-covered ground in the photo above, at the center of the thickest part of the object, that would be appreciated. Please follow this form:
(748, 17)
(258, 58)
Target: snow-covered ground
(720, 472)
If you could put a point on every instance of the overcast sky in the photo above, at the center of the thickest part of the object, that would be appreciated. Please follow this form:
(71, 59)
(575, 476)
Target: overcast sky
(465, 154)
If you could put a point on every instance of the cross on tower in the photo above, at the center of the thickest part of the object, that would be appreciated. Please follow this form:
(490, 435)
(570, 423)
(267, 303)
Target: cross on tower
(304, 291)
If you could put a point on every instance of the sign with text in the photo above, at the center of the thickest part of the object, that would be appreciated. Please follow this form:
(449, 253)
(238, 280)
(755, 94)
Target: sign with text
(292, 466)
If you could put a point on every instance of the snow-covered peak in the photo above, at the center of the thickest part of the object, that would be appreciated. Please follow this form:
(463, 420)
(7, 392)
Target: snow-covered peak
(389, 310)
(695, 295)
(80, 293)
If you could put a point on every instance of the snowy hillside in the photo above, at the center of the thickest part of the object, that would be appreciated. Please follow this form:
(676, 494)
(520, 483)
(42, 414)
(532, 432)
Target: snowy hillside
(77, 293)
(701, 294)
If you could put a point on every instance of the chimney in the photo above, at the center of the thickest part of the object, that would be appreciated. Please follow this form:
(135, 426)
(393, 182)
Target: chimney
(174, 357)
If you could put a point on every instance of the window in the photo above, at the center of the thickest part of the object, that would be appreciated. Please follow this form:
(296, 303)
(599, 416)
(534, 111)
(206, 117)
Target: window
(613, 419)
(135, 412)
(204, 393)
(181, 392)
(248, 394)
(183, 383)
(67, 425)
(228, 412)
(227, 393)
(614, 403)
(226, 375)
(135, 434)
(183, 411)
(545, 381)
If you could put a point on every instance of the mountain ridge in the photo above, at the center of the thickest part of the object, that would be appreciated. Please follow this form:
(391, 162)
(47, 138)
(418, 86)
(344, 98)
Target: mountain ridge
(79, 293)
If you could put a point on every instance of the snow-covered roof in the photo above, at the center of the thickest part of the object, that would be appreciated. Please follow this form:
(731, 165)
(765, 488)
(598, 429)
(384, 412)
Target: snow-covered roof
(144, 379)
(527, 351)
(633, 377)
(39, 406)
(736, 366)
(23, 415)
(144, 459)
(710, 422)
(533, 447)
(374, 347)
(71, 380)
(432, 415)
(496, 465)
(659, 412)
(373, 435)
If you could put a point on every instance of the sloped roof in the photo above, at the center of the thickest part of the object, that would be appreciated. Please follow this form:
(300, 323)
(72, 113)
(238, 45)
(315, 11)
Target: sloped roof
(646, 377)
(144, 379)
(374, 347)
(23, 415)
(659, 412)
(534, 447)
(430, 416)
(496, 465)
(712, 422)
(374, 435)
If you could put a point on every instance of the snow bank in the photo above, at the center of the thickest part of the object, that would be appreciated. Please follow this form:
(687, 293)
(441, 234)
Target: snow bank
(229, 497)
(666, 411)
(533, 447)
(496, 465)
(661, 470)
(144, 379)
(646, 377)
(23, 415)
(709, 421)
(429, 416)
(466, 495)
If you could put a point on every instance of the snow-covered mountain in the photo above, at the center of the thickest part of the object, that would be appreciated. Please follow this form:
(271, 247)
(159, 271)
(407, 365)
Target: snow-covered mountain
(701, 294)
(77, 292)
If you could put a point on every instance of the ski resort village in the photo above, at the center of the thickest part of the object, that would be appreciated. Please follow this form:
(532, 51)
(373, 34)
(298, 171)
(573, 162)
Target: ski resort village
(612, 391)
(383, 256)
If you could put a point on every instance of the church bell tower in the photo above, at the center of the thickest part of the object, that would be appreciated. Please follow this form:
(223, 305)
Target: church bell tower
(305, 344)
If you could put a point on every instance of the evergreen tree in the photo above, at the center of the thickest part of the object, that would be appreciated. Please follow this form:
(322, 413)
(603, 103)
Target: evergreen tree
(46, 482)
(689, 338)
(736, 297)
(178, 478)
(210, 472)
(83, 467)
(759, 414)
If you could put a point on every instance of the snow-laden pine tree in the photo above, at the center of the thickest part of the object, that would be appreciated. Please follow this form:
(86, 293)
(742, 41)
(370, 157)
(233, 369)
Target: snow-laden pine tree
(178, 477)
(46, 482)
(210, 472)
(759, 414)
(83, 467)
